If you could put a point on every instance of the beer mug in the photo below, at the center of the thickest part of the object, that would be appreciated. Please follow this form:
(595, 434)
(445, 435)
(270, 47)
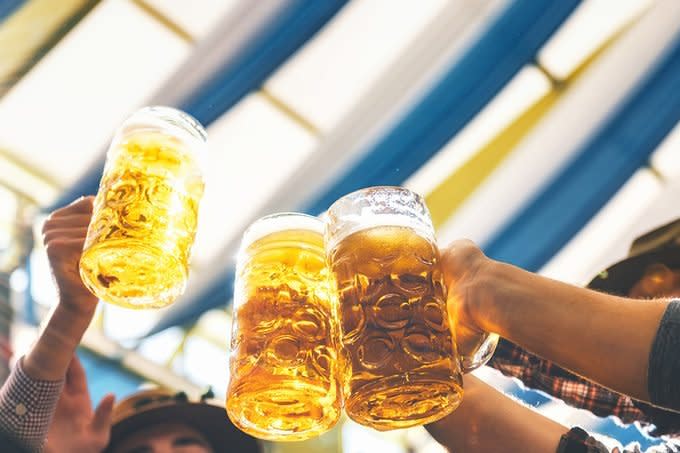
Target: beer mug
(137, 249)
(401, 364)
(284, 382)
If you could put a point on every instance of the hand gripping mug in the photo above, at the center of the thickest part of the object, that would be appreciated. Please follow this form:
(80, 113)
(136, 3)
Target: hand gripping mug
(137, 249)
(401, 364)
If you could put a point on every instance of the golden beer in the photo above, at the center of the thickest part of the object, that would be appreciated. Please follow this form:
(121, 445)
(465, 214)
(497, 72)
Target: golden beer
(402, 366)
(284, 382)
(145, 214)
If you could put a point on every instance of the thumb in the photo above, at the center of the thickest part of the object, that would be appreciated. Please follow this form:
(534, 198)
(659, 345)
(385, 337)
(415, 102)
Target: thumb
(102, 414)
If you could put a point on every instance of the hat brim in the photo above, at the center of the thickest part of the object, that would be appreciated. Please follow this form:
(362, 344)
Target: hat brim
(209, 420)
(620, 278)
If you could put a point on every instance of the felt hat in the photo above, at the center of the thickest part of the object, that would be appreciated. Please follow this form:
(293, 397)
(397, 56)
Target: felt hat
(658, 247)
(156, 407)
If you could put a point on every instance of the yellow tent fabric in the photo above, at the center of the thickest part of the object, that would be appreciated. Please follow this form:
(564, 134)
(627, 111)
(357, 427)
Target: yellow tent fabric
(449, 194)
(31, 31)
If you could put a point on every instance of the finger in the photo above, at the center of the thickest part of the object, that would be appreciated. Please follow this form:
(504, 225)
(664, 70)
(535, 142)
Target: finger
(64, 250)
(76, 379)
(459, 255)
(61, 245)
(65, 233)
(82, 205)
(69, 221)
(101, 422)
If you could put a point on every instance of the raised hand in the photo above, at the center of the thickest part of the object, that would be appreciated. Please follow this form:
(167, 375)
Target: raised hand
(76, 427)
(64, 234)
(467, 274)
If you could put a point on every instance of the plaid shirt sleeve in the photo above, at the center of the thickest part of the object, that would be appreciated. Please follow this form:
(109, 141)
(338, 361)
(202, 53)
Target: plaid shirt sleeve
(26, 408)
(540, 374)
(578, 441)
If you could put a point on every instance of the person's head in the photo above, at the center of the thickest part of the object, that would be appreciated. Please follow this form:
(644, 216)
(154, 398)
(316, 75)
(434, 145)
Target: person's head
(159, 421)
(165, 438)
(651, 270)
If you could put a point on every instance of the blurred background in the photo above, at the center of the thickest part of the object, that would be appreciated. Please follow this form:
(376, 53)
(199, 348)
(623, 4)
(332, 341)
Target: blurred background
(546, 130)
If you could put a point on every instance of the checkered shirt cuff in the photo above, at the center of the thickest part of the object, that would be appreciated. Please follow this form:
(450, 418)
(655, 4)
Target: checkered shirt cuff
(26, 408)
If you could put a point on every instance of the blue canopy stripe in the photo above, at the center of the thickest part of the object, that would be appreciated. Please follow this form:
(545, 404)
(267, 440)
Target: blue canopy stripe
(7, 8)
(604, 164)
(260, 58)
(241, 75)
(511, 41)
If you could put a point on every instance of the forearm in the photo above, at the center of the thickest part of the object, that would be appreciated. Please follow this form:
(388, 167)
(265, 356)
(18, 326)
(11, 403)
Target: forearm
(50, 356)
(489, 421)
(604, 338)
(29, 397)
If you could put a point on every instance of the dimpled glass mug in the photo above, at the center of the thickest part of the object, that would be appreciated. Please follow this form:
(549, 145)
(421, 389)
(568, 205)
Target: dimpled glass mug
(401, 364)
(284, 371)
(137, 249)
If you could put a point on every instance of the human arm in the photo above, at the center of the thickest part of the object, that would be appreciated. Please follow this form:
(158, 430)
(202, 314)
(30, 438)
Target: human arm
(541, 374)
(605, 338)
(64, 234)
(29, 397)
(488, 421)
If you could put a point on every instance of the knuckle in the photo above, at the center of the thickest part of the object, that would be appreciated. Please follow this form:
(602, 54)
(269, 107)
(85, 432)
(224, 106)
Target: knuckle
(87, 202)
(46, 226)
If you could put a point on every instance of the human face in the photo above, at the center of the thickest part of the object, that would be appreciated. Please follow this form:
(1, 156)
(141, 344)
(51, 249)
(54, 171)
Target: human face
(165, 438)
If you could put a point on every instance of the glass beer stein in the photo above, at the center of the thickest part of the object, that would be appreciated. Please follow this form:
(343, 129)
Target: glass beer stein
(137, 249)
(401, 364)
(284, 382)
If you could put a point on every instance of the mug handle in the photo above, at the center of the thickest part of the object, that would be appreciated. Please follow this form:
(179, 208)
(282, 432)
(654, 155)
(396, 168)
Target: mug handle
(474, 348)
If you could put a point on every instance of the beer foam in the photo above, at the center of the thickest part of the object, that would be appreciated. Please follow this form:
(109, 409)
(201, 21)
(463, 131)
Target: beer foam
(352, 223)
(172, 123)
(374, 207)
(283, 221)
